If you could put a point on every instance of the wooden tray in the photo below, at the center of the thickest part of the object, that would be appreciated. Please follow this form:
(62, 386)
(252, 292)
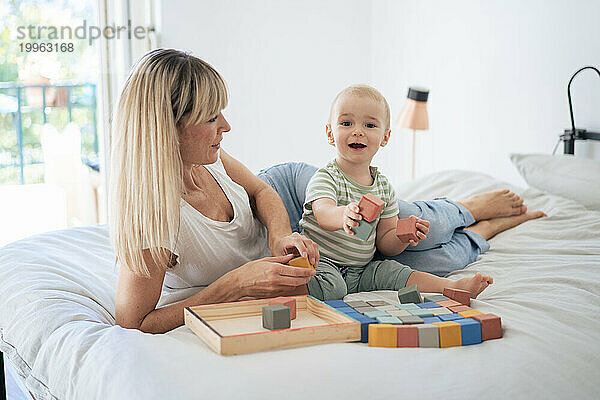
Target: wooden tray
(236, 328)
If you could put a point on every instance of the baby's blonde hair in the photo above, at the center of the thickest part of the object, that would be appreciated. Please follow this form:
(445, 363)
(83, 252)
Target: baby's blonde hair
(166, 90)
(363, 91)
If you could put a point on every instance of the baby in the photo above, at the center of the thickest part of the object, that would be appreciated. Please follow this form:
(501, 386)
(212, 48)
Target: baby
(359, 123)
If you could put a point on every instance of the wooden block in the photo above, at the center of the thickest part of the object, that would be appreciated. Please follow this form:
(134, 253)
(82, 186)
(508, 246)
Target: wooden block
(462, 296)
(406, 229)
(435, 297)
(429, 335)
(470, 313)
(364, 329)
(456, 309)
(356, 304)
(421, 313)
(335, 303)
(382, 335)
(286, 301)
(370, 207)
(376, 313)
(363, 310)
(378, 303)
(346, 310)
(491, 326)
(364, 229)
(429, 304)
(398, 313)
(448, 303)
(408, 336)
(411, 320)
(450, 334)
(449, 317)
(409, 294)
(389, 320)
(301, 262)
(407, 306)
(276, 317)
(387, 308)
(440, 311)
(431, 320)
(470, 331)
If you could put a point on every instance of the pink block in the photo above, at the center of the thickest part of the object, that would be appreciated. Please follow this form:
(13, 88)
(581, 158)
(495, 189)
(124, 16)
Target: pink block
(408, 336)
(285, 301)
(462, 296)
(406, 229)
(370, 207)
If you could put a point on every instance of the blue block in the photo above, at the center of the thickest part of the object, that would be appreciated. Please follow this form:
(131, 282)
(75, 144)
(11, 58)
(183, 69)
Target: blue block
(450, 317)
(355, 315)
(364, 329)
(336, 303)
(345, 310)
(431, 320)
(470, 331)
(429, 304)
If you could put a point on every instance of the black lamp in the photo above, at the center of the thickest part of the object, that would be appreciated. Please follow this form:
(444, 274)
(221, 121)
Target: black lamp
(573, 134)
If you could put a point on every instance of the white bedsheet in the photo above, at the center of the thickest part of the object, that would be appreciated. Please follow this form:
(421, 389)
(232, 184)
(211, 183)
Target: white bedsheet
(57, 314)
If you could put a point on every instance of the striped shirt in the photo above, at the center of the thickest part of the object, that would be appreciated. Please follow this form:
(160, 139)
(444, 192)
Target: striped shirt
(333, 183)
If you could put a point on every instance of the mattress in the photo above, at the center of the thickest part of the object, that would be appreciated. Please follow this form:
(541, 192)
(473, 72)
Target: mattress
(57, 300)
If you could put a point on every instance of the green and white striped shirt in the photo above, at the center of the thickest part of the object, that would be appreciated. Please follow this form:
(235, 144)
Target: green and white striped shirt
(333, 183)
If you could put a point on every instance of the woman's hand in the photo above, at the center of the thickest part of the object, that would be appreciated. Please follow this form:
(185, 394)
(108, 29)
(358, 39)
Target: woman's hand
(269, 277)
(351, 217)
(298, 245)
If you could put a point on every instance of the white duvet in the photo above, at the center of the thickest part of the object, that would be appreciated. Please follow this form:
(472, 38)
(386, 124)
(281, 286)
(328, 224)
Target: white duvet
(57, 313)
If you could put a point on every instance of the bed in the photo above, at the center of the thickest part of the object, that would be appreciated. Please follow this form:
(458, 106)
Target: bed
(57, 327)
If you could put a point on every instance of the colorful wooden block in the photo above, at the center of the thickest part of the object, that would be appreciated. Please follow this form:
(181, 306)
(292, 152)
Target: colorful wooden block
(377, 303)
(389, 320)
(301, 262)
(356, 304)
(470, 331)
(449, 317)
(440, 311)
(346, 310)
(276, 317)
(429, 335)
(470, 313)
(408, 336)
(364, 230)
(386, 308)
(430, 320)
(286, 301)
(383, 335)
(448, 303)
(335, 303)
(411, 320)
(406, 229)
(423, 312)
(376, 313)
(370, 207)
(491, 326)
(398, 313)
(363, 310)
(456, 309)
(435, 297)
(462, 296)
(450, 334)
(364, 329)
(429, 304)
(407, 306)
(409, 294)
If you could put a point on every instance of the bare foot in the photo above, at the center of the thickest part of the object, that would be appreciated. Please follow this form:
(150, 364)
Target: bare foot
(489, 228)
(499, 203)
(475, 284)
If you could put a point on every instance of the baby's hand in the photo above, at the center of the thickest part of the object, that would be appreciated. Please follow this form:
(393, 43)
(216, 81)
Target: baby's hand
(422, 230)
(351, 217)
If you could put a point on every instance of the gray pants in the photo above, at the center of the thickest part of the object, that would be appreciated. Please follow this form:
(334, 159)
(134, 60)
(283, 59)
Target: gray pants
(330, 284)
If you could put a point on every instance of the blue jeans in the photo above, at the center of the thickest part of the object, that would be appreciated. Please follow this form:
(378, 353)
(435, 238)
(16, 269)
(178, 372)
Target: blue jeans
(448, 246)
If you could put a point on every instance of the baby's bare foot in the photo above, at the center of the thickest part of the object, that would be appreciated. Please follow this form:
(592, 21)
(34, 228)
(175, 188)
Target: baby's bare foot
(499, 203)
(475, 284)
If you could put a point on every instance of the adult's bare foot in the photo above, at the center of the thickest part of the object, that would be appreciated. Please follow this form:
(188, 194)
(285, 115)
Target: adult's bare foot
(487, 229)
(475, 284)
(498, 203)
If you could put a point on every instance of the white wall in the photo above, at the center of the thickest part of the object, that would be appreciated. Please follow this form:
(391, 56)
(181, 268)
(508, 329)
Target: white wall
(497, 71)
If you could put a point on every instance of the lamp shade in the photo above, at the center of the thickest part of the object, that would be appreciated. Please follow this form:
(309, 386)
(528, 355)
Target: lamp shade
(414, 113)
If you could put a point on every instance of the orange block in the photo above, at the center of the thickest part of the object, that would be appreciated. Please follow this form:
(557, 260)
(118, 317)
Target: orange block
(370, 207)
(301, 262)
(286, 301)
(470, 313)
(448, 303)
(406, 229)
(450, 335)
(462, 296)
(491, 326)
(383, 335)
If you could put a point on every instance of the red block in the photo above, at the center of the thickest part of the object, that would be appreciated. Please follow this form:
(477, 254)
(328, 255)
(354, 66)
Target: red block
(408, 336)
(406, 229)
(285, 301)
(462, 296)
(491, 326)
(370, 207)
(460, 308)
(448, 303)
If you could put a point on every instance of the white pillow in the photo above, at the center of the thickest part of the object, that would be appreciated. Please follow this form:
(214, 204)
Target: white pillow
(563, 174)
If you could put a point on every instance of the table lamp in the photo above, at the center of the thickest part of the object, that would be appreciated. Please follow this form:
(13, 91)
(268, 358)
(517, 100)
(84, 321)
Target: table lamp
(414, 116)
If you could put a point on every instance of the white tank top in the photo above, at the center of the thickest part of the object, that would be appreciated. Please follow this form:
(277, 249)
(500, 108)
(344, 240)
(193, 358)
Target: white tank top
(207, 249)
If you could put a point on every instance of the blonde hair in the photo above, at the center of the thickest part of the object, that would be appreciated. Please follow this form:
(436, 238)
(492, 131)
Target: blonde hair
(363, 91)
(146, 180)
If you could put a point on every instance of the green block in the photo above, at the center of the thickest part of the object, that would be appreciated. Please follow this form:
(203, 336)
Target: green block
(389, 320)
(409, 294)
(398, 313)
(408, 306)
(435, 298)
(375, 314)
(364, 229)
(423, 312)
(276, 316)
(429, 335)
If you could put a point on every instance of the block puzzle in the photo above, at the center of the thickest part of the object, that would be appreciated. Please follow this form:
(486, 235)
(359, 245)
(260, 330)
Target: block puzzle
(449, 317)
(423, 312)
(276, 317)
(407, 306)
(429, 304)
(450, 334)
(335, 303)
(456, 309)
(286, 301)
(398, 313)
(376, 313)
(409, 294)
(408, 336)
(389, 320)
(377, 303)
(448, 303)
(383, 335)
(411, 320)
(355, 304)
(435, 297)
(301, 262)
(491, 326)
(462, 296)
(406, 229)
(364, 229)
(429, 335)
(431, 320)
(470, 331)
(440, 311)
(370, 207)
(470, 313)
